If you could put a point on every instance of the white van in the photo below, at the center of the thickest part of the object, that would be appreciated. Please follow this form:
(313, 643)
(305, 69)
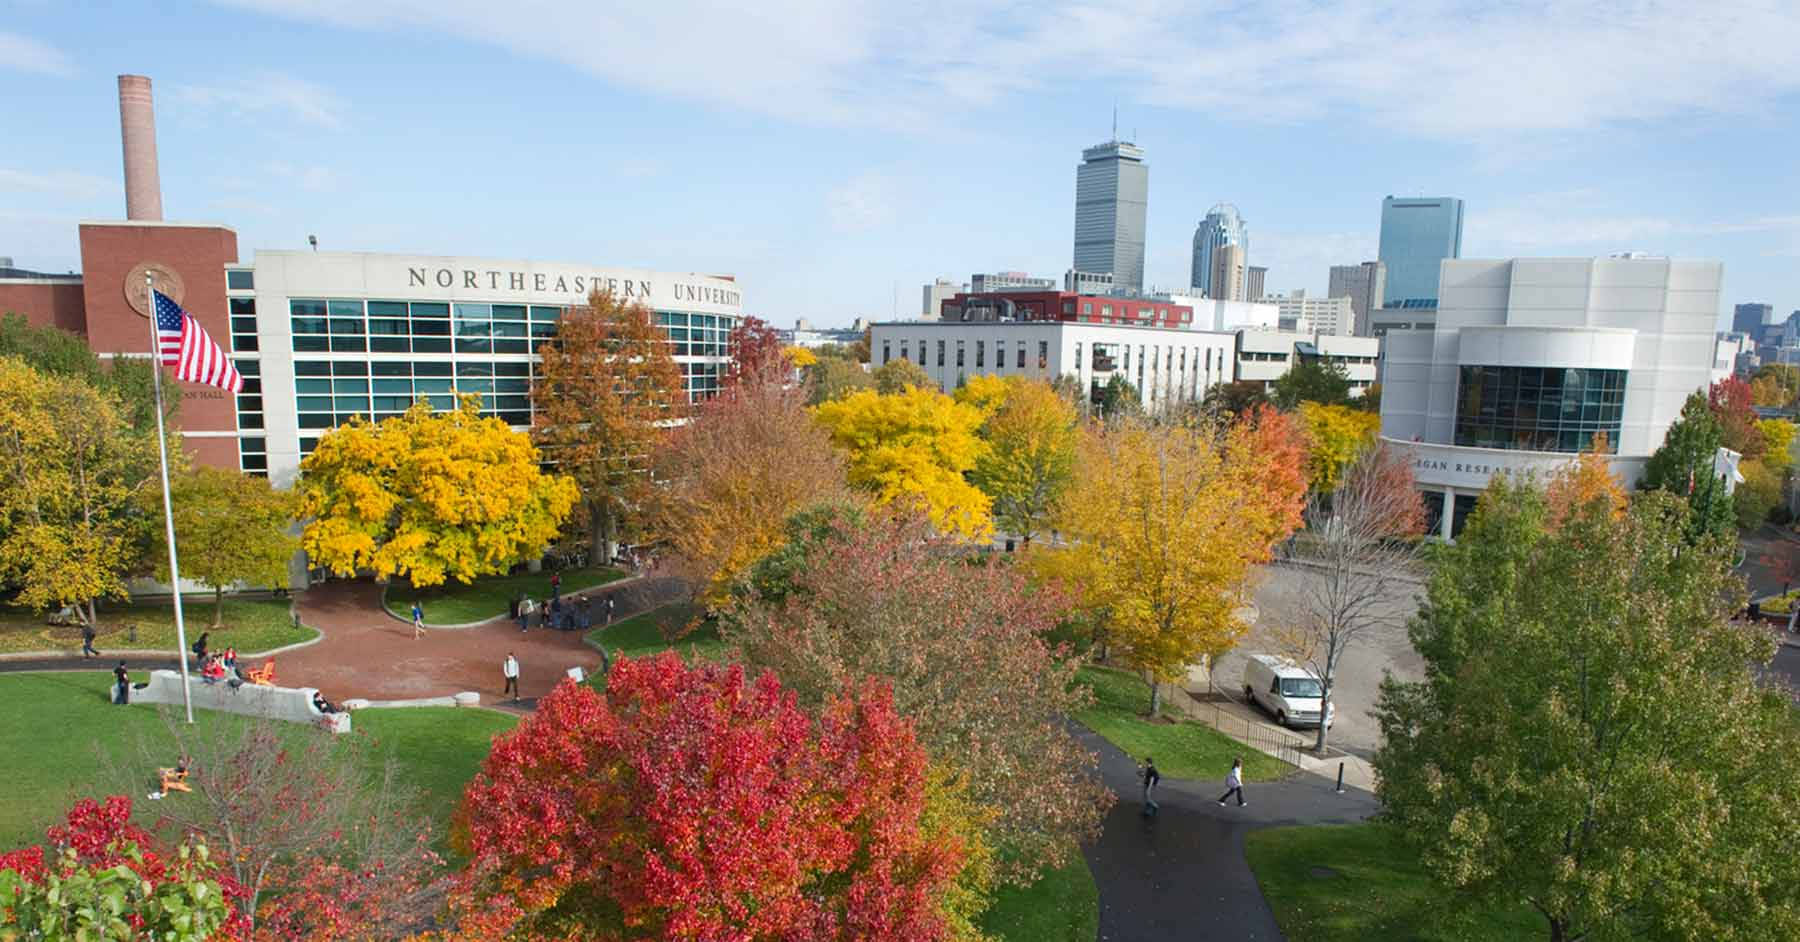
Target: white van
(1284, 688)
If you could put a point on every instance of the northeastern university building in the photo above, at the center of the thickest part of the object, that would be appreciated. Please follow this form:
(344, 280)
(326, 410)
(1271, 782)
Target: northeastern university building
(322, 336)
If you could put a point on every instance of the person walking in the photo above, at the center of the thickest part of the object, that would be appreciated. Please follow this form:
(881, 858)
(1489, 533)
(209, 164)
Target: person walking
(1150, 777)
(1794, 616)
(199, 647)
(87, 642)
(525, 607)
(1234, 783)
(609, 609)
(509, 669)
(555, 585)
(418, 614)
(123, 676)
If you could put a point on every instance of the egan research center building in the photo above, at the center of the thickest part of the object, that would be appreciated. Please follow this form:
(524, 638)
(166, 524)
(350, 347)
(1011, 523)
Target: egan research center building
(1531, 358)
(323, 336)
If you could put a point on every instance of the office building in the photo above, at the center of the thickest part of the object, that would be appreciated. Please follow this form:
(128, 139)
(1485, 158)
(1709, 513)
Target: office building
(1037, 304)
(323, 336)
(1300, 313)
(1112, 192)
(1221, 227)
(1531, 358)
(1228, 276)
(1256, 279)
(1264, 356)
(1748, 319)
(1166, 365)
(982, 283)
(1365, 286)
(1417, 235)
(931, 305)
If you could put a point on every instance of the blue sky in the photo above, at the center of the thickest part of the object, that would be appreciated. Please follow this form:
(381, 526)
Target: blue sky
(834, 155)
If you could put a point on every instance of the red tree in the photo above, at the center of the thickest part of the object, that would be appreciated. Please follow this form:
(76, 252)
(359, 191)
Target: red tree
(755, 353)
(1276, 445)
(685, 803)
(1730, 399)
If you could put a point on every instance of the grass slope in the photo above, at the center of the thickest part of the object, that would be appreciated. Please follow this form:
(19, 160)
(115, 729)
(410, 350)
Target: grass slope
(649, 633)
(251, 625)
(1182, 749)
(456, 604)
(1062, 906)
(1371, 887)
(438, 749)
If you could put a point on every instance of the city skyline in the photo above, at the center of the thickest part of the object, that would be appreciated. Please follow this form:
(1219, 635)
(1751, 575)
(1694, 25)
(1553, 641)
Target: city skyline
(782, 157)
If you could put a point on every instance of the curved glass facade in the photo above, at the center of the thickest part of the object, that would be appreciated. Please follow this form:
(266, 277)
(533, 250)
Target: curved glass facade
(1538, 408)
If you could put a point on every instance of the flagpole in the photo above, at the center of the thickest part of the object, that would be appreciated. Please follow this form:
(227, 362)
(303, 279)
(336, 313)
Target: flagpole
(162, 453)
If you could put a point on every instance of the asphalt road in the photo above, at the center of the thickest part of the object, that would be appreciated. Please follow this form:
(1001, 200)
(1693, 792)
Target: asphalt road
(1382, 648)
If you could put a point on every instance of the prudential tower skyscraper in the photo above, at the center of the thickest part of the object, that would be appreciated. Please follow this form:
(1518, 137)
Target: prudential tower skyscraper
(1112, 192)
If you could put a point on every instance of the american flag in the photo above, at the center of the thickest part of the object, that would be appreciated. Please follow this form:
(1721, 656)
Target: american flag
(186, 347)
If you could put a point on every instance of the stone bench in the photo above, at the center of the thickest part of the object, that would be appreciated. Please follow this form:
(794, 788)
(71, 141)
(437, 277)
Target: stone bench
(289, 704)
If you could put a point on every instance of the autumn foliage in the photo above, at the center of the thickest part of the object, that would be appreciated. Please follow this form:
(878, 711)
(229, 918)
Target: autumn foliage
(914, 448)
(1587, 479)
(689, 803)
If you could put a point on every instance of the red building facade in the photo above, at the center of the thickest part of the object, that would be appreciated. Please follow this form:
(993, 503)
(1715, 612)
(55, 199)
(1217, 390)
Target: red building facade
(1066, 306)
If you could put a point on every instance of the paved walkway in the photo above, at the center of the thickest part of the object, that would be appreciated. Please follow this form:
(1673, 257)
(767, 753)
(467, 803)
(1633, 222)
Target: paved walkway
(1181, 875)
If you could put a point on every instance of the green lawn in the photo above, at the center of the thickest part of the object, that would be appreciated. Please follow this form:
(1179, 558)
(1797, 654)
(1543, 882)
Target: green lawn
(1182, 749)
(251, 626)
(1062, 906)
(647, 634)
(456, 604)
(1328, 883)
(438, 749)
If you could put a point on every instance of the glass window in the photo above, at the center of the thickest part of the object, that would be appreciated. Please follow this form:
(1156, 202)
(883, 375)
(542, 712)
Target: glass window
(959, 353)
(237, 280)
(886, 353)
(1538, 409)
(980, 355)
(941, 345)
(1021, 363)
(1043, 354)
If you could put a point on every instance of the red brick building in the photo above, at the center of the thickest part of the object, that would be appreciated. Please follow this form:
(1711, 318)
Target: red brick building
(1066, 306)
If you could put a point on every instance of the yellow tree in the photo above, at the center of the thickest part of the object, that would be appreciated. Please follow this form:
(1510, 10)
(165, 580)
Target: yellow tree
(72, 470)
(1581, 482)
(606, 388)
(232, 528)
(735, 473)
(1778, 442)
(1163, 525)
(1338, 435)
(986, 391)
(1030, 456)
(914, 446)
(430, 496)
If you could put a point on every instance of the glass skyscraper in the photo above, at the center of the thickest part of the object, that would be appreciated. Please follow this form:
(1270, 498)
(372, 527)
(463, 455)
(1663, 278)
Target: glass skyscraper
(1221, 227)
(1417, 234)
(1112, 192)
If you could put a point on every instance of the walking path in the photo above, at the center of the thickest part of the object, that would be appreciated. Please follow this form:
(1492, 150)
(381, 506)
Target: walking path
(1181, 874)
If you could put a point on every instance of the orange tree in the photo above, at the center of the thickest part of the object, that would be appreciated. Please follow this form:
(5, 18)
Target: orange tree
(733, 475)
(605, 389)
(689, 803)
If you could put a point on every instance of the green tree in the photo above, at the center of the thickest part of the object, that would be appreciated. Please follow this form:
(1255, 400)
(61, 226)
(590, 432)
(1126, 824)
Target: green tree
(1231, 400)
(61, 353)
(1370, 400)
(1312, 379)
(1684, 466)
(231, 528)
(73, 472)
(1119, 399)
(1030, 458)
(835, 377)
(1603, 752)
(1757, 495)
(429, 495)
(895, 375)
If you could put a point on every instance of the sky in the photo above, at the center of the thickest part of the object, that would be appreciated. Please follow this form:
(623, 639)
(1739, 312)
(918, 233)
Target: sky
(835, 155)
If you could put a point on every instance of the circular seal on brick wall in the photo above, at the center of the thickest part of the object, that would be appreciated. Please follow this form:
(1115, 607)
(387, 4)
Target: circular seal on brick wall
(168, 281)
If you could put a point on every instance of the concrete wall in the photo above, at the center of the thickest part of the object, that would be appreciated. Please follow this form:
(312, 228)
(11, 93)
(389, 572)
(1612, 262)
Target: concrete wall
(289, 704)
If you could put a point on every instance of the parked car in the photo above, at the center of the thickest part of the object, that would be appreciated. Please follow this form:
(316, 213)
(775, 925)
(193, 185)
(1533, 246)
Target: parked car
(1291, 692)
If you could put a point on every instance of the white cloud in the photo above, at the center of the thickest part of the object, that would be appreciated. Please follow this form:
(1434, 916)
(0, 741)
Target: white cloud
(24, 54)
(1436, 68)
(59, 182)
(866, 201)
(266, 93)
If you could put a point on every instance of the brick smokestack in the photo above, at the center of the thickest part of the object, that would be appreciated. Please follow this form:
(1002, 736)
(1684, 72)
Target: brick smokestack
(137, 128)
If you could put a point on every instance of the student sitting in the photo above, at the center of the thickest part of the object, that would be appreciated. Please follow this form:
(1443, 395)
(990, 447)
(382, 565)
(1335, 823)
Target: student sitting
(214, 671)
(321, 704)
(171, 780)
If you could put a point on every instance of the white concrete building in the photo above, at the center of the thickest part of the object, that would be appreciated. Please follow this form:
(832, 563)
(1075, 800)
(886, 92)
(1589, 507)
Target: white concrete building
(1265, 355)
(931, 305)
(1167, 365)
(1303, 314)
(1228, 316)
(1529, 359)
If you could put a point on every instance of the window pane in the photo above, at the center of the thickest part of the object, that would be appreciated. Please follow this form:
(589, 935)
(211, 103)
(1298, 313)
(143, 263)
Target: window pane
(240, 280)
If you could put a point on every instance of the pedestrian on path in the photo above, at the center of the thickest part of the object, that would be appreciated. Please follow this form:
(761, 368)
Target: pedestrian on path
(123, 676)
(609, 609)
(199, 647)
(525, 608)
(1794, 616)
(87, 642)
(509, 669)
(555, 585)
(418, 614)
(1234, 783)
(1150, 778)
